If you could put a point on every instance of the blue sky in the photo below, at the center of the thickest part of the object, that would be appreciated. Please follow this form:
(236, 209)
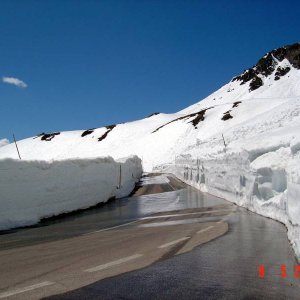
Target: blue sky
(93, 63)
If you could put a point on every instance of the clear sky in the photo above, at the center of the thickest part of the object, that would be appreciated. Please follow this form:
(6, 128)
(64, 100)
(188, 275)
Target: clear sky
(94, 63)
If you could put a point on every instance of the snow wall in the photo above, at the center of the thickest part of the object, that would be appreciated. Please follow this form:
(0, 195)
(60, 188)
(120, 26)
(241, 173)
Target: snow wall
(32, 190)
(268, 185)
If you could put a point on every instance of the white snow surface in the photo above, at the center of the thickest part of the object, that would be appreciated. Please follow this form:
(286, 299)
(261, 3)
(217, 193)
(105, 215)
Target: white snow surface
(259, 169)
(3, 142)
(32, 190)
(269, 185)
(270, 112)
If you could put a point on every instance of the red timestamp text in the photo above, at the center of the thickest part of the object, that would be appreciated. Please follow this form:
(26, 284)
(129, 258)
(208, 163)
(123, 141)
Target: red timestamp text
(283, 271)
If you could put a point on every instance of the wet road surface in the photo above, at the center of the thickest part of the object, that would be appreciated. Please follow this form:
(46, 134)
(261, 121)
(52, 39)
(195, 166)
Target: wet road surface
(111, 214)
(225, 268)
(154, 183)
(220, 247)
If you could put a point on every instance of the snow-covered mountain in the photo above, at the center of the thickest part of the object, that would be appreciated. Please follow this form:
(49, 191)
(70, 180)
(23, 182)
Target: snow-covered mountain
(241, 143)
(256, 109)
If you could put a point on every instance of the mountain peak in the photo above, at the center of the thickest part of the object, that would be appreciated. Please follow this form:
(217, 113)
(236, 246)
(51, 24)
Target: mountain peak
(269, 64)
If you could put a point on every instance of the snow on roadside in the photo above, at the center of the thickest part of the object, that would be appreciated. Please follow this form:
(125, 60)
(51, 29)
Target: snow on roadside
(260, 167)
(269, 185)
(259, 126)
(32, 190)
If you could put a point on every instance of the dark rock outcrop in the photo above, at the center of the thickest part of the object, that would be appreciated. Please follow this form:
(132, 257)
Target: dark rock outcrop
(281, 72)
(109, 129)
(48, 136)
(227, 116)
(87, 132)
(267, 65)
(196, 118)
(236, 104)
(255, 83)
(153, 114)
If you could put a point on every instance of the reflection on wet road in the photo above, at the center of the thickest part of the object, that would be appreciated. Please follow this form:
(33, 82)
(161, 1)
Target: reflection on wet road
(225, 268)
(221, 247)
(111, 214)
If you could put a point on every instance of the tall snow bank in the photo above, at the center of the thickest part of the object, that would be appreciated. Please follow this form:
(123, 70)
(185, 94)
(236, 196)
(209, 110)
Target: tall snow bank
(32, 190)
(268, 185)
(293, 182)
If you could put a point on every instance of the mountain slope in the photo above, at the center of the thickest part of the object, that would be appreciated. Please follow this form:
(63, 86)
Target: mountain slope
(263, 100)
(241, 143)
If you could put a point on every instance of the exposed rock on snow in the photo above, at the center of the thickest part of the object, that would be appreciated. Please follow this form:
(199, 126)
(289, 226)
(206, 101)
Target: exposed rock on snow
(153, 114)
(236, 104)
(196, 118)
(48, 136)
(281, 71)
(257, 165)
(109, 129)
(87, 132)
(227, 116)
(267, 65)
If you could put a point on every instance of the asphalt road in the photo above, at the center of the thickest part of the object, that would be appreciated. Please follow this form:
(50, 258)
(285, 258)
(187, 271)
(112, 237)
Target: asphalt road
(153, 183)
(180, 244)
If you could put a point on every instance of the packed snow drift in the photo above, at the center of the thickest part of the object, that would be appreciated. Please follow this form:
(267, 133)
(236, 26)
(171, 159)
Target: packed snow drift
(269, 185)
(32, 190)
(245, 136)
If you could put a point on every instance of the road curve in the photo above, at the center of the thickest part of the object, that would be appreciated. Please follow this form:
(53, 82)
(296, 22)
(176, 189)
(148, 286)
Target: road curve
(180, 244)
